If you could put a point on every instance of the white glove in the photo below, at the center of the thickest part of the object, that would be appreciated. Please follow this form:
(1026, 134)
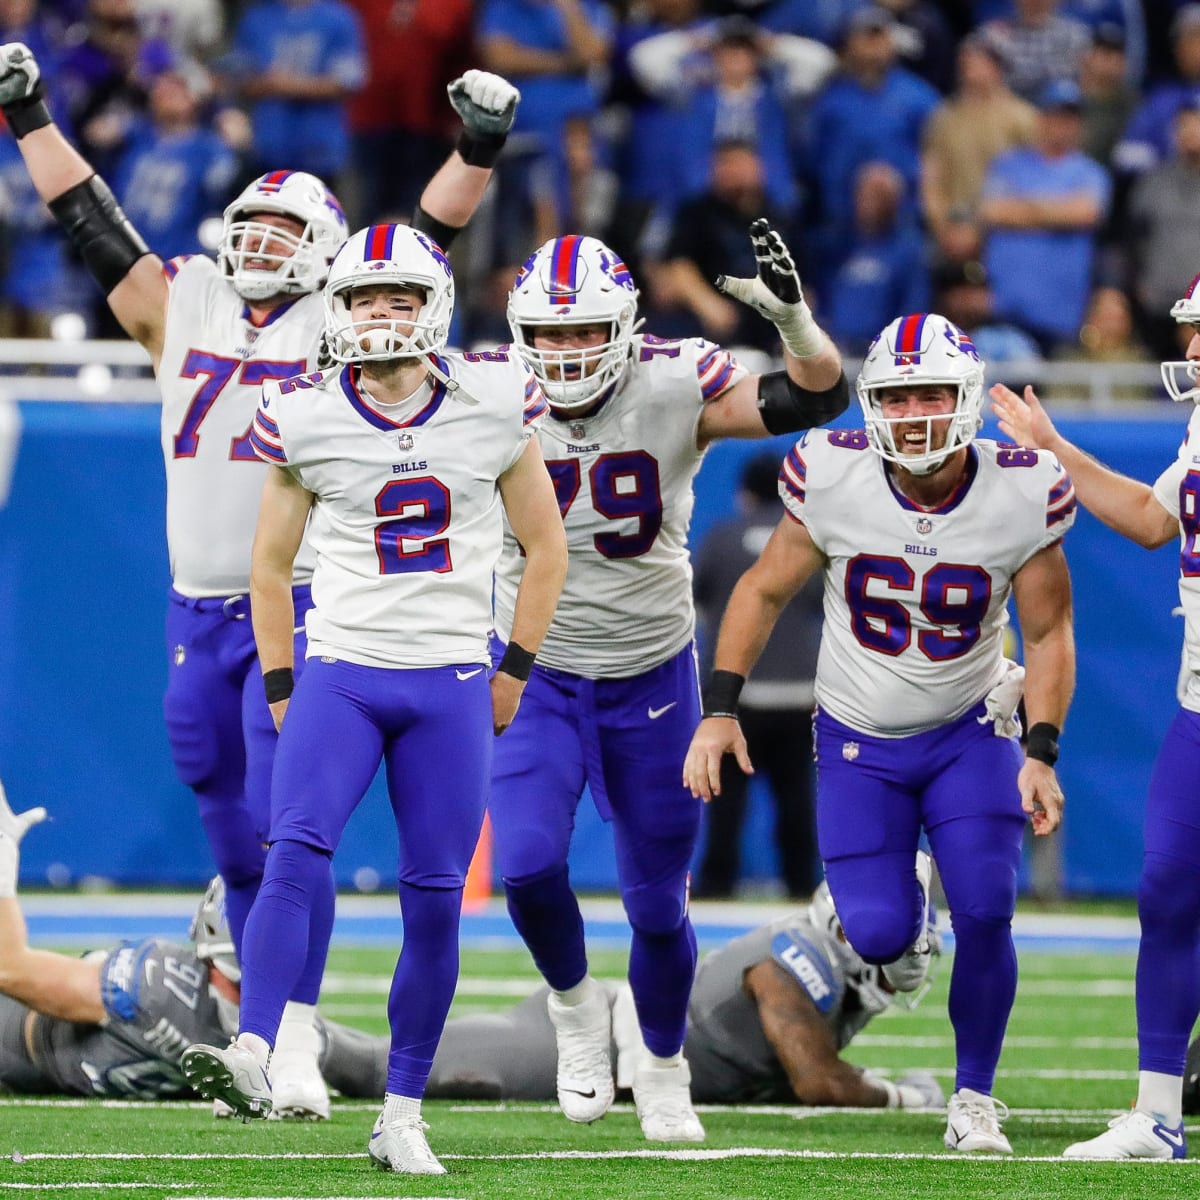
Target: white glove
(19, 73)
(13, 827)
(919, 1089)
(486, 103)
(775, 292)
(1002, 702)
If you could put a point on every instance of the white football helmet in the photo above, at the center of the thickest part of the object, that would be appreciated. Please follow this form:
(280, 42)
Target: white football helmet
(209, 932)
(301, 265)
(922, 349)
(569, 281)
(1181, 378)
(388, 254)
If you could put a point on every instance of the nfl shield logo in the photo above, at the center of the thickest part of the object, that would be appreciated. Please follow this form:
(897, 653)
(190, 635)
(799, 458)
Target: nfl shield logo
(849, 751)
(405, 441)
(578, 430)
(924, 525)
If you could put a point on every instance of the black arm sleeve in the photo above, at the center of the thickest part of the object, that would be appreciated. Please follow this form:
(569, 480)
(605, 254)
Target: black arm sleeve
(91, 217)
(786, 407)
(441, 233)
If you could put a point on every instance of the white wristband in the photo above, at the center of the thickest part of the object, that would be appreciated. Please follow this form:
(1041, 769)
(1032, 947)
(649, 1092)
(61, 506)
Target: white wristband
(799, 332)
(893, 1093)
(9, 862)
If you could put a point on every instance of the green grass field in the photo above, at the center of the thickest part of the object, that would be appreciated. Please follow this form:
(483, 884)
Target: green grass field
(1068, 1065)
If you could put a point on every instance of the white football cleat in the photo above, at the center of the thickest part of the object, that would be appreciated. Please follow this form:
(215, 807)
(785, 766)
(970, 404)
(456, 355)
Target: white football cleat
(663, 1098)
(298, 1091)
(1135, 1134)
(584, 1036)
(232, 1075)
(973, 1125)
(400, 1146)
(911, 969)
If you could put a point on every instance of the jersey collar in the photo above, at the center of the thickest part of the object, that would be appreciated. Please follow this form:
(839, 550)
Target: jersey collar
(369, 413)
(952, 501)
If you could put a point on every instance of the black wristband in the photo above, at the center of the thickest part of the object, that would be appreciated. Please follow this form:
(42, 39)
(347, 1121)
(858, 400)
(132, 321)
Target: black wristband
(1042, 743)
(480, 149)
(517, 661)
(721, 695)
(26, 115)
(278, 684)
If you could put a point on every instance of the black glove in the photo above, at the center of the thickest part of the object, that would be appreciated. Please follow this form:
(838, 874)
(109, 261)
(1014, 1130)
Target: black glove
(22, 96)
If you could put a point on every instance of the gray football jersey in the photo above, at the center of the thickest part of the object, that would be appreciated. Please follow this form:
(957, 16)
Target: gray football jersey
(729, 1055)
(158, 1000)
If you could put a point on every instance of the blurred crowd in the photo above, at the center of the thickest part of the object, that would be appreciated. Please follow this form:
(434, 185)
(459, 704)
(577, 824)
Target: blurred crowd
(1027, 167)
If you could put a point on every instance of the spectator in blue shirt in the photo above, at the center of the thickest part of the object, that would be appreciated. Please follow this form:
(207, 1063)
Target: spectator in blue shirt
(174, 172)
(871, 111)
(1147, 138)
(299, 61)
(1041, 207)
(554, 51)
(885, 271)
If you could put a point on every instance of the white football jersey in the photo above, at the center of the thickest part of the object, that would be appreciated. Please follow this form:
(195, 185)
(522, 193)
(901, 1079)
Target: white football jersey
(1177, 489)
(213, 366)
(407, 522)
(624, 481)
(915, 599)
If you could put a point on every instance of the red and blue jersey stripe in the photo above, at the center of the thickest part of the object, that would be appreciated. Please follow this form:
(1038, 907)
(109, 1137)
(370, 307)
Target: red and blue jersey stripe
(535, 401)
(1061, 503)
(715, 370)
(794, 475)
(264, 437)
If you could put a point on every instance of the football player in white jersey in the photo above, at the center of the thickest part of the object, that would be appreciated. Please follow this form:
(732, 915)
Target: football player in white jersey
(614, 695)
(404, 462)
(1167, 984)
(923, 533)
(215, 332)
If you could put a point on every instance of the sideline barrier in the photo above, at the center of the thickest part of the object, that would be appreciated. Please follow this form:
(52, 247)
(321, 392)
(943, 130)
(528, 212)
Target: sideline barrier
(83, 580)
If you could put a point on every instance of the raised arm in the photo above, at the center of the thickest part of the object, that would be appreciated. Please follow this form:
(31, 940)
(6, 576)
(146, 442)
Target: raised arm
(532, 510)
(812, 389)
(785, 565)
(1126, 505)
(56, 985)
(282, 516)
(112, 250)
(487, 104)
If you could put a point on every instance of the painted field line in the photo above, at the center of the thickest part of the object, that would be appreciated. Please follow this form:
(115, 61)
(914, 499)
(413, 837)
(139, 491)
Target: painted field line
(1016, 1042)
(668, 1155)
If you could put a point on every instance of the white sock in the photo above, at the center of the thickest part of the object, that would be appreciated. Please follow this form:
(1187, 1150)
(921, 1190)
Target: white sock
(664, 1064)
(297, 1031)
(1161, 1095)
(577, 994)
(398, 1107)
(257, 1046)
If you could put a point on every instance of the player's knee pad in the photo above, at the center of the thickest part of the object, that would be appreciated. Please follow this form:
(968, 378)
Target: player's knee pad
(655, 911)
(879, 932)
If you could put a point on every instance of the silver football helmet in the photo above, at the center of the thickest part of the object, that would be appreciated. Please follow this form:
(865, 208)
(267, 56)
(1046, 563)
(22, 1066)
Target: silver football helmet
(388, 254)
(862, 977)
(296, 263)
(567, 282)
(919, 350)
(1182, 379)
(209, 932)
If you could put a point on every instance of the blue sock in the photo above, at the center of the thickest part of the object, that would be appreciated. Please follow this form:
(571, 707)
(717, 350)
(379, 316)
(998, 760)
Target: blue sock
(277, 940)
(983, 985)
(661, 969)
(1168, 963)
(546, 915)
(423, 984)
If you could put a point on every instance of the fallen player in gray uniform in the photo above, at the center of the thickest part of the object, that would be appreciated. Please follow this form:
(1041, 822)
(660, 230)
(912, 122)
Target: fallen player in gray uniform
(769, 1015)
